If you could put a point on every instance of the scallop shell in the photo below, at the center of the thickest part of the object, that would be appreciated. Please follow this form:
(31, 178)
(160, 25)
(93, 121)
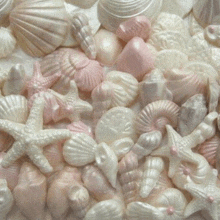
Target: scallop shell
(14, 108)
(5, 8)
(79, 127)
(40, 26)
(79, 150)
(207, 12)
(106, 210)
(82, 3)
(6, 199)
(112, 12)
(107, 161)
(213, 94)
(30, 193)
(8, 42)
(156, 115)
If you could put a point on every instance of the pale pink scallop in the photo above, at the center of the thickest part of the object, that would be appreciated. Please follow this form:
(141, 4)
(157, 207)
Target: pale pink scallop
(136, 58)
(79, 127)
(139, 26)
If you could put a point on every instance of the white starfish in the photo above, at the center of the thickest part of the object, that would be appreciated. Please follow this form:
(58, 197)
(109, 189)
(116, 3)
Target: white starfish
(206, 196)
(30, 138)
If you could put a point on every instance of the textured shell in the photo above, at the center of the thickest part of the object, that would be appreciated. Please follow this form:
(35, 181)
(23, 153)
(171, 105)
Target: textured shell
(207, 12)
(79, 127)
(79, 150)
(30, 193)
(194, 26)
(106, 210)
(212, 34)
(213, 94)
(6, 199)
(7, 41)
(154, 87)
(156, 115)
(40, 26)
(13, 106)
(83, 34)
(112, 13)
(5, 8)
(192, 113)
(152, 168)
(82, 4)
(107, 161)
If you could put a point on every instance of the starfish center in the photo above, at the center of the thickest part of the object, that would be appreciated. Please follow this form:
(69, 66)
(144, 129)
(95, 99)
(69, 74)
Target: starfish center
(211, 199)
(170, 210)
(186, 171)
(173, 151)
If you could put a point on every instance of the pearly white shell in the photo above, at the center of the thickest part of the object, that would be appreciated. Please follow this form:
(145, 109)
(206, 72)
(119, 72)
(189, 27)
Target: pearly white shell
(82, 3)
(213, 94)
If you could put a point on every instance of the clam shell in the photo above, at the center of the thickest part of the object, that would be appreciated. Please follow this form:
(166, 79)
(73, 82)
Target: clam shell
(156, 115)
(112, 12)
(40, 26)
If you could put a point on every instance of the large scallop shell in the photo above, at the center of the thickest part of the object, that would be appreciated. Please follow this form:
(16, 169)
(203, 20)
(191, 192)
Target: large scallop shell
(40, 26)
(5, 8)
(112, 12)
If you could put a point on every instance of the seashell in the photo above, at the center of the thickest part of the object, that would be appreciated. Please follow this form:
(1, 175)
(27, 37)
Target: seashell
(6, 141)
(106, 210)
(82, 4)
(135, 59)
(10, 174)
(206, 12)
(3, 76)
(8, 41)
(79, 127)
(192, 113)
(14, 108)
(138, 26)
(170, 59)
(156, 115)
(57, 197)
(108, 47)
(5, 8)
(15, 213)
(79, 150)
(112, 13)
(184, 83)
(211, 34)
(196, 216)
(83, 34)
(152, 49)
(16, 81)
(43, 30)
(154, 87)
(152, 168)
(116, 123)
(194, 26)
(6, 199)
(147, 142)
(107, 161)
(79, 200)
(214, 58)
(30, 193)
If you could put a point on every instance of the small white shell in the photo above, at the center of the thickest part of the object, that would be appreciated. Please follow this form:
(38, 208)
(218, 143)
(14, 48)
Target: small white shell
(212, 34)
(79, 150)
(7, 41)
(5, 8)
(106, 210)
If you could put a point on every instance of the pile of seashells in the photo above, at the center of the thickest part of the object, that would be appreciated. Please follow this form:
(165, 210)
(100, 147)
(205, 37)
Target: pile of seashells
(109, 110)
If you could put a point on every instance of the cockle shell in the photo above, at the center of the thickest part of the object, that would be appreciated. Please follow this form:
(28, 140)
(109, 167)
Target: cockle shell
(82, 4)
(30, 193)
(106, 210)
(156, 115)
(80, 127)
(5, 8)
(152, 168)
(112, 12)
(192, 113)
(6, 199)
(40, 26)
(83, 34)
(212, 34)
(7, 41)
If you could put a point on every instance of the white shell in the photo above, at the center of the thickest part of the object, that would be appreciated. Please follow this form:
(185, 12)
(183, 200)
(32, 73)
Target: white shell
(82, 3)
(211, 34)
(79, 150)
(112, 12)
(7, 41)
(214, 58)
(40, 26)
(213, 94)
(194, 26)
(106, 210)
(152, 168)
(5, 8)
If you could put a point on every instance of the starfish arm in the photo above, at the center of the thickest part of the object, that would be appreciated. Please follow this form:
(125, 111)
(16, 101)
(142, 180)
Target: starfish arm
(73, 92)
(37, 157)
(193, 207)
(17, 150)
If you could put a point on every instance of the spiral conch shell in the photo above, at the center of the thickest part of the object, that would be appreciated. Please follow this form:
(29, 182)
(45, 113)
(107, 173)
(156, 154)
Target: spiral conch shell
(40, 26)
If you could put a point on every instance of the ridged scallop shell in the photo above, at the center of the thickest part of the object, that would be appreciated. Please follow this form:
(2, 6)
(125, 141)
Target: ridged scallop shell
(6, 199)
(213, 94)
(156, 115)
(207, 12)
(7, 41)
(79, 127)
(79, 150)
(30, 193)
(5, 8)
(107, 161)
(112, 12)
(106, 210)
(14, 108)
(40, 26)
(212, 34)
(152, 168)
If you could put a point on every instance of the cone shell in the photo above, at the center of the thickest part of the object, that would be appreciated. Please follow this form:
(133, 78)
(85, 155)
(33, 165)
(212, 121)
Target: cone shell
(156, 115)
(40, 26)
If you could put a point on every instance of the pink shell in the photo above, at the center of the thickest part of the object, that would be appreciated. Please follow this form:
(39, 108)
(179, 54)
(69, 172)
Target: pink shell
(80, 127)
(138, 26)
(136, 59)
